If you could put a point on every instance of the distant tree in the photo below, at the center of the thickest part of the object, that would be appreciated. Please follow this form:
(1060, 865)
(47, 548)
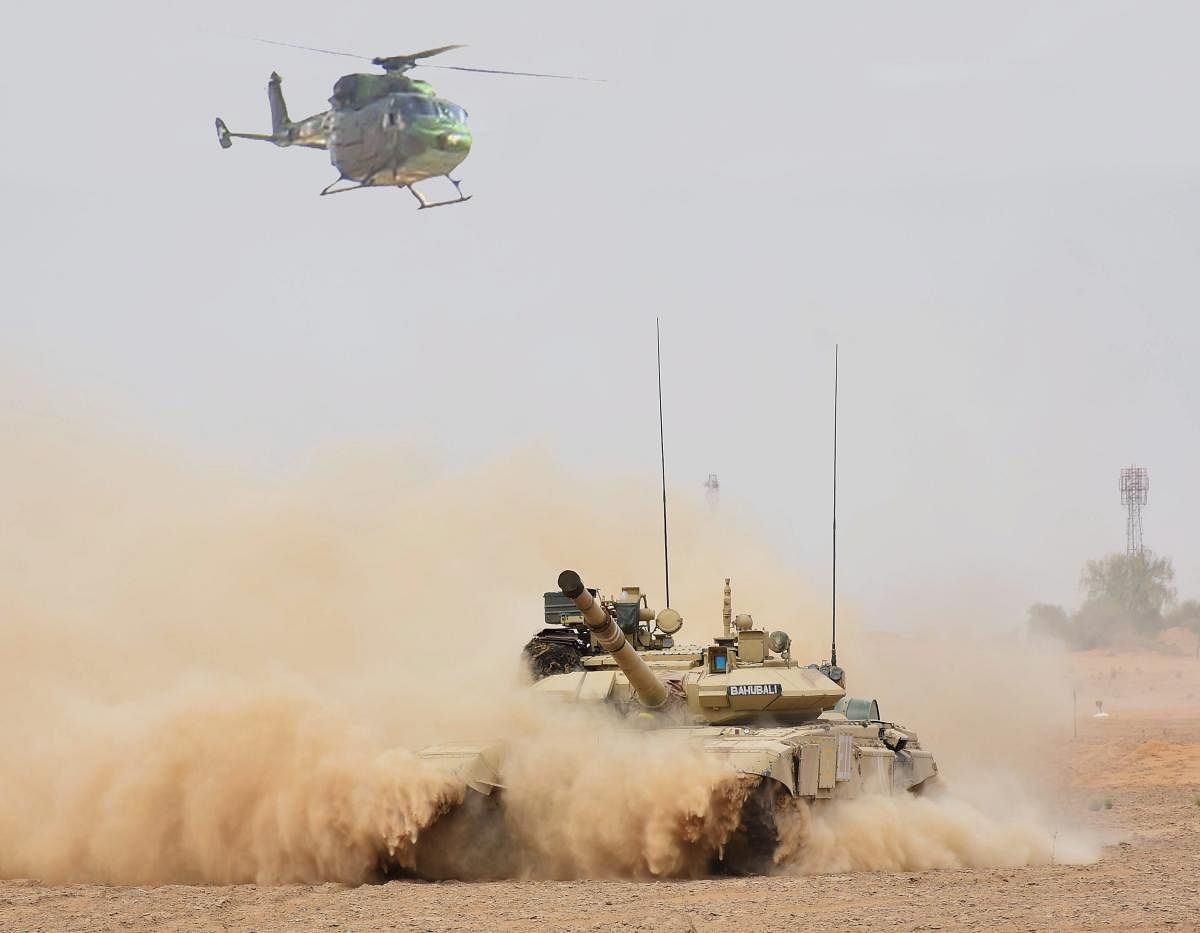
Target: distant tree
(1186, 615)
(1049, 620)
(1128, 597)
(1099, 622)
(1137, 587)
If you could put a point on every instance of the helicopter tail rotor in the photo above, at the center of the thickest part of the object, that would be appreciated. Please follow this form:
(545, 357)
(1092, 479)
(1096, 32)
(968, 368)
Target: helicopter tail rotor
(223, 136)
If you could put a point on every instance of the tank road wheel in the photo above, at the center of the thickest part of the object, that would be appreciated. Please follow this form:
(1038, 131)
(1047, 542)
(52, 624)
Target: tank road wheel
(751, 848)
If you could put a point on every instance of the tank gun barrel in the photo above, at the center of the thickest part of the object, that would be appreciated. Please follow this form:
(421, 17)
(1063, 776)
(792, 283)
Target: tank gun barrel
(650, 690)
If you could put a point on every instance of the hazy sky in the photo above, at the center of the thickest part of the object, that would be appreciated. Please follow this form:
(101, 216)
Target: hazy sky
(994, 208)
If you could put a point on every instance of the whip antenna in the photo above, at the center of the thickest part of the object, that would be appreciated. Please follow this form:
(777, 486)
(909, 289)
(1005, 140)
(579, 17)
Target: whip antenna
(833, 648)
(662, 456)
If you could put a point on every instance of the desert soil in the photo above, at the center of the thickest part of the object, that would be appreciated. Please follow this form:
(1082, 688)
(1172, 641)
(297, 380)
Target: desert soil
(1133, 777)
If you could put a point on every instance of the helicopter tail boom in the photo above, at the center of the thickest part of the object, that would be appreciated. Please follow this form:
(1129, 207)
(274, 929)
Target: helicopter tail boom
(311, 132)
(226, 138)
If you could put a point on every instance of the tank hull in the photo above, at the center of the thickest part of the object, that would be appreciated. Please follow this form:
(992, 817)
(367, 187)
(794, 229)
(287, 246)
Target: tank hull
(782, 770)
(824, 759)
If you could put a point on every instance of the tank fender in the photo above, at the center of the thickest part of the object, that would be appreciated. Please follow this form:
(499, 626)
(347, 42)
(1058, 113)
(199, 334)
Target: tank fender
(912, 768)
(477, 766)
(766, 758)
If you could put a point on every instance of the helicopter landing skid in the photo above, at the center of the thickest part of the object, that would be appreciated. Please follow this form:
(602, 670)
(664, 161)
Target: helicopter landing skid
(332, 188)
(424, 204)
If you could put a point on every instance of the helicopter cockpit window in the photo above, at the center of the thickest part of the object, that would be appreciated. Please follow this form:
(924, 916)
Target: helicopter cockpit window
(417, 105)
(452, 111)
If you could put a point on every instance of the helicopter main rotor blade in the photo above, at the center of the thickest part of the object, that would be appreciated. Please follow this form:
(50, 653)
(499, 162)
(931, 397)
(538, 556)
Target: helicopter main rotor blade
(430, 52)
(309, 48)
(522, 74)
(406, 62)
(412, 61)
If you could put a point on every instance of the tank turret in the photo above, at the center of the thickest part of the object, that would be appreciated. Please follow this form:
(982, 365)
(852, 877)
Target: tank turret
(651, 691)
(565, 643)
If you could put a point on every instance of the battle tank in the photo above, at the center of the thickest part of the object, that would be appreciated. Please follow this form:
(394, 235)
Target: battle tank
(789, 728)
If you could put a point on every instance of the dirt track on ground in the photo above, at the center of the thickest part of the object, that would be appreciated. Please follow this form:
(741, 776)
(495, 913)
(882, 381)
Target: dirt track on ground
(1133, 778)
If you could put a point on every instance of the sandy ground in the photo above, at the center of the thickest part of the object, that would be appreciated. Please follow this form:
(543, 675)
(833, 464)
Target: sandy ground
(1133, 777)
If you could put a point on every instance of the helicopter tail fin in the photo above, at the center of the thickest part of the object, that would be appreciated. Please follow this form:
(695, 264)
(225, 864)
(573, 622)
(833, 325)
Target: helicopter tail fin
(279, 113)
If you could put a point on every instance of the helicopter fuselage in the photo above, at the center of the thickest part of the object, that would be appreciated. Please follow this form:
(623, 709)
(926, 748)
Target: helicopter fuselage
(399, 139)
(382, 131)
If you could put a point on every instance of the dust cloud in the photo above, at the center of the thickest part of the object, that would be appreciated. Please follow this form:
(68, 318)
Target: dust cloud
(907, 833)
(212, 676)
(583, 799)
(995, 707)
(215, 785)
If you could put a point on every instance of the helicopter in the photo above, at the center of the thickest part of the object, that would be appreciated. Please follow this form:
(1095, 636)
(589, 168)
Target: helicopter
(381, 130)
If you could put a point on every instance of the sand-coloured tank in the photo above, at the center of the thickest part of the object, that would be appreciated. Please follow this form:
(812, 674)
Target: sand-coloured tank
(789, 728)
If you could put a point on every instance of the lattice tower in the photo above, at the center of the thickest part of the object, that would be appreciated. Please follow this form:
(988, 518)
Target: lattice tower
(1135, 485)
